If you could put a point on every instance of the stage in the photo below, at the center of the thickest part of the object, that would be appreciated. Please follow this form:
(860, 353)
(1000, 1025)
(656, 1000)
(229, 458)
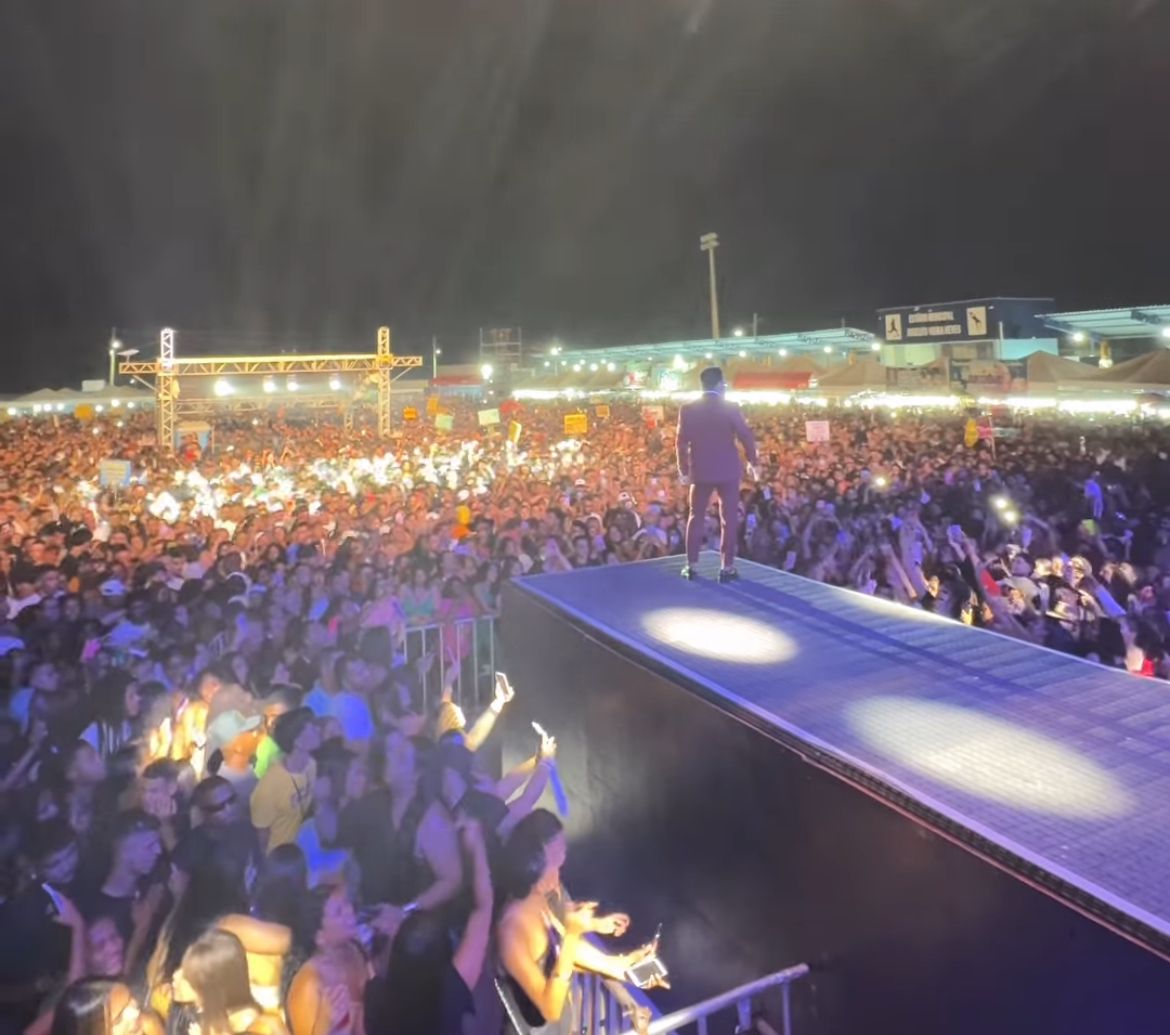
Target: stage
(1036, 765)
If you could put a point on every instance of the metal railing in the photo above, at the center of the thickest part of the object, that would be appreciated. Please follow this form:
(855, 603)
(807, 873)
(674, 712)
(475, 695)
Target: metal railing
(741, 998)
(605, 1006)
(465, 654)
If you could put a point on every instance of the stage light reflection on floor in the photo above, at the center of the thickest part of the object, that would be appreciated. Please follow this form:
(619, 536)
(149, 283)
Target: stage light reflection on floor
(719, 635)
(989, 757)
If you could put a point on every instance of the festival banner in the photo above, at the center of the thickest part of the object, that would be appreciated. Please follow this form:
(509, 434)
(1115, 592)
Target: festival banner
(444, 422)
(488, 418)
(433, 406)
(514, 430)
(601, 411)
(410, 413)
(576, 424)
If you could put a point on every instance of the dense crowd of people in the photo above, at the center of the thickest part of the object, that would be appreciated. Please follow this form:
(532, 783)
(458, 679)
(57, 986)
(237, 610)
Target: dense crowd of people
(239, 789)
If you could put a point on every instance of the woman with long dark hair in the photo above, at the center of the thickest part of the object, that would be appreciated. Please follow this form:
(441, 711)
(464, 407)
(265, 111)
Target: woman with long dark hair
(541, 932)
(326, 996)
(100, 1006)
(428, 988)
(117, 714)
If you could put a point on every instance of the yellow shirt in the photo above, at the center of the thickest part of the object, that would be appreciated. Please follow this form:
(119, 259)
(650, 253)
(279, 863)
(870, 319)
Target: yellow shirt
(281, 802)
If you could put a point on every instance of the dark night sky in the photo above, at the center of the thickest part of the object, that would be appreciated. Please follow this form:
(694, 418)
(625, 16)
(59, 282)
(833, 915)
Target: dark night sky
(299, 172)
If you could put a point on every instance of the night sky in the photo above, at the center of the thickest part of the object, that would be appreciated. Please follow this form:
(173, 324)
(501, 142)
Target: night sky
(295, 173)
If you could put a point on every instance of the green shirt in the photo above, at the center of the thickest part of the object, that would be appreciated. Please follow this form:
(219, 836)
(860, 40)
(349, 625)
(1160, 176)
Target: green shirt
(266, 754)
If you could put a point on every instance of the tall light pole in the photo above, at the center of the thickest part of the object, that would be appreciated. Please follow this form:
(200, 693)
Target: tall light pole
(436, 352)
(708, 243)
(115, 345)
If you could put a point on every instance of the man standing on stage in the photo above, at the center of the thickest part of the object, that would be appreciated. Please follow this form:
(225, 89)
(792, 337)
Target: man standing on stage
(708, 461)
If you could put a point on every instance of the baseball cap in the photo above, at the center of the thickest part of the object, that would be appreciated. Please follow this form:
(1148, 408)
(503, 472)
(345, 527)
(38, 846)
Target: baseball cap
(226, 726)
(112, 588)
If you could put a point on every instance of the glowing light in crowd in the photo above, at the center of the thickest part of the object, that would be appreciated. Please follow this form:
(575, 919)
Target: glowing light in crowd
(593, 367)
(880, 481)
(987, 756)
(738, 332)
(611, 367)
(1114, 406)
(577, 367)
(222, 387)
(269, 385)
(115, 403)
(486, 371)
(1011, 516)
(783, 352)
(876, 346)
(999, 502)
(335, 383)
(11, 411)
(680, 363)
(717, 634)
(1079, 337)
(291, 384)
(828, 350)
(709, 356)
(1166, 332)
(548, 362)
(742, 354)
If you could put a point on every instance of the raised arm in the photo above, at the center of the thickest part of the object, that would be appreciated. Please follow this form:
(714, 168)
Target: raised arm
(439, 846)
(472, 948)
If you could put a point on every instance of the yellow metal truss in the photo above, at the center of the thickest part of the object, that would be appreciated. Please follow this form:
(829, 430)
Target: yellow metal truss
(168, 369)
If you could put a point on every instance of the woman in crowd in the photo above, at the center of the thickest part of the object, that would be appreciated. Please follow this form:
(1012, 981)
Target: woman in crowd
(541, 931)
(101, 1006)
(420, 597)
(118, 708)
(326, 996)
(428, 988)
(215, 972)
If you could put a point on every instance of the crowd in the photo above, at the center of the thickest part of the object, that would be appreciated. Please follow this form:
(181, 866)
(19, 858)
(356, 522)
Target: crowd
(239, 790)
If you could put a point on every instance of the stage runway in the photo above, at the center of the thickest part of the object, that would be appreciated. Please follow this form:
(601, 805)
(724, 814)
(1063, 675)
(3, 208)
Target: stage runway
(1055, 768)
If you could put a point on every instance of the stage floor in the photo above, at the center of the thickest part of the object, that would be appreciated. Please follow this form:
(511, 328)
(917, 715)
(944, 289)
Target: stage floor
(1038, 757)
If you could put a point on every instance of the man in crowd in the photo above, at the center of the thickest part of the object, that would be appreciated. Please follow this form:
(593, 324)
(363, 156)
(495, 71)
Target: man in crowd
(283, 799)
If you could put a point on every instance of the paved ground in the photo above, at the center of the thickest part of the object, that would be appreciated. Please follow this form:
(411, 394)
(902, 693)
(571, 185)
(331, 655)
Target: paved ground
(1063, 763)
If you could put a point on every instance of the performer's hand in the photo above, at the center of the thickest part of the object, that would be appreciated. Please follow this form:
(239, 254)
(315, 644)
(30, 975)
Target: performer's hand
(752, 473)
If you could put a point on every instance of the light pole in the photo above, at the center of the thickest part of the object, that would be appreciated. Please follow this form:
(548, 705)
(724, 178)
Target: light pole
(708, 243)
(436, 352)
(115, 345)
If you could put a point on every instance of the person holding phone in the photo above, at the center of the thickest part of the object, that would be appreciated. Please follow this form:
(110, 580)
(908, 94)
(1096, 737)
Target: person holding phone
(709, 462)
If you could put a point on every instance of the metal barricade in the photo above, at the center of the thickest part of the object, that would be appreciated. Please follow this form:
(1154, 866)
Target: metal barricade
(465, 656)
(607, 1006)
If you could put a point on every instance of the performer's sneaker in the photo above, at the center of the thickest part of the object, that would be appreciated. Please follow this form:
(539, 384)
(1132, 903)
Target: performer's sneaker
(689, 572)
(728, 575)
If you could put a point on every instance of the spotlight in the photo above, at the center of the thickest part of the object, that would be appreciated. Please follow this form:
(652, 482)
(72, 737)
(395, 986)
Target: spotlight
(222, 387)
(269, 385)
(990, 757)
(719, 635)
(335, 383)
